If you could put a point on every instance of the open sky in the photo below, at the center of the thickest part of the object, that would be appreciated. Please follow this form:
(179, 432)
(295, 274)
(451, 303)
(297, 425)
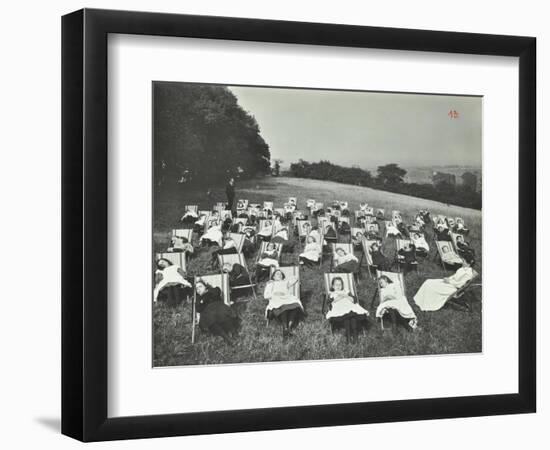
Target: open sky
(366, 128)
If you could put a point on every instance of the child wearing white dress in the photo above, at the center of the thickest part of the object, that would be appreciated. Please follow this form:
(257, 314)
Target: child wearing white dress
(392, 299)
(344, 308)
(283, 304)
(311, 253)
(170, 282)
(433, 294)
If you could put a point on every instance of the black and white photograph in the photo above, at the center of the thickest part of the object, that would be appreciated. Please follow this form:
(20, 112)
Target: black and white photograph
(319, 224)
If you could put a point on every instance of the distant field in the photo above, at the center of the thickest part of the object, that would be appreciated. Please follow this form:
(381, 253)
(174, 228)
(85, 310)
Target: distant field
(444, 331)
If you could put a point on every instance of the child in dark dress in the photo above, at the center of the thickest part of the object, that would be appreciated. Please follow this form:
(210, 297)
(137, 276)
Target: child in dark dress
(215, 316)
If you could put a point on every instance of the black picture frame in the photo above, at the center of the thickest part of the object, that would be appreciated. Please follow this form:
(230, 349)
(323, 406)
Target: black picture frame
(84, 224)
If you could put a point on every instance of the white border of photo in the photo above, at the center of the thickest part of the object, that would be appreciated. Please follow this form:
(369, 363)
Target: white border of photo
(135, 388)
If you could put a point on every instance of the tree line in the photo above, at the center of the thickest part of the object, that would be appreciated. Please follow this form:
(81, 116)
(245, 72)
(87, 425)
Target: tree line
(389, 177)
(202, 136)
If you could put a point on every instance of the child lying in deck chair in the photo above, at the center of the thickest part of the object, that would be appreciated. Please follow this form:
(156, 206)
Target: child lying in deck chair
(463, 248)
(344, 309)
(312, 252)
(191, 214)
(393, 301)
(283, 295)
(392, 230)
(239, 276)
(419, 241)
(357, 236)
(447, 255)
(171, 286)
(343, 258)
(406, 254)
(433, 294)
(180, 244)
(213, 304)
(268, 257)
(442, 233)
(266, 230)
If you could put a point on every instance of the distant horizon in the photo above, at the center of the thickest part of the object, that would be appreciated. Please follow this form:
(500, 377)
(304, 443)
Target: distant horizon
(366, 129)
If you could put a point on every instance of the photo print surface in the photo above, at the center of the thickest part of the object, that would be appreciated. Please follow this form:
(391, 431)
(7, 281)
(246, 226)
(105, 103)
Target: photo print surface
(298, 224)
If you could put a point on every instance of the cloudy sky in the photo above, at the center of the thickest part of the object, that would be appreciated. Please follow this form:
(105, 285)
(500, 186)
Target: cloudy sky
(366, 128)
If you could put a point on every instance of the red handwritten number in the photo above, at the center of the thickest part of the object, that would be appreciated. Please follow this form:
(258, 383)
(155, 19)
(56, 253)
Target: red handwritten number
(453, 114)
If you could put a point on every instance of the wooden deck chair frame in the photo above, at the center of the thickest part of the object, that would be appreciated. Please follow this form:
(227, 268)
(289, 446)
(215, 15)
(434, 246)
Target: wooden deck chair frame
(438, 245)
(328, 277)
(289, 271)
(178, 258)
(399, 244)
(218, 280)
(394, 277)
(238, 258)
(192, 208)
(366, 244)
(458, 296)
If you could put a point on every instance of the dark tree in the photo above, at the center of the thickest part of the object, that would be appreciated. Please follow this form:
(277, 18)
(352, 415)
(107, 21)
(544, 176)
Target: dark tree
(390, 175)
(277, 167)
(202, 135)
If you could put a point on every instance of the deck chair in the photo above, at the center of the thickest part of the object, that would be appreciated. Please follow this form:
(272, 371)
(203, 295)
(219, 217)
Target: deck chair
(192, 208)
(401, 244)
(268, 205)
(358, 213)
(446, 248)
(242, 203)
(221, 281)
(356, 235)
(349, 286)
(263, 224)
(388, 224)
(177, 258)
(238, 238)
(186, 233)
(252, 211)
(372, 228)
(347, 247)
(396, 278)
(303, 229)
(366, 256)
(363, 206)
(458, 297)
(289, 271)
(237, 258)
(211, 222)
(263, 247)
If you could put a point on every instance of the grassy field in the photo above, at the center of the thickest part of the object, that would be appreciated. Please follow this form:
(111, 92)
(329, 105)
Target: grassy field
(445, 331)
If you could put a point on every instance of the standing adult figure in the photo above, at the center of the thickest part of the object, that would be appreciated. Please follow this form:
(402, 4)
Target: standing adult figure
(230, 192)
